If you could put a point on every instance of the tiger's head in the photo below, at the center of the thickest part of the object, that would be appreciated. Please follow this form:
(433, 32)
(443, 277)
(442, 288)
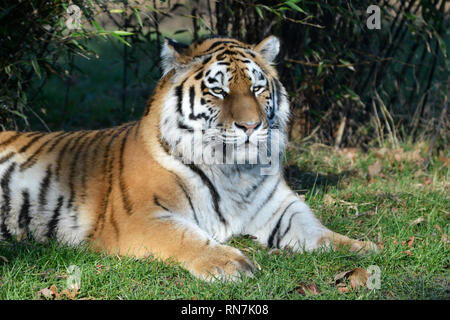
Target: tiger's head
(229, 94)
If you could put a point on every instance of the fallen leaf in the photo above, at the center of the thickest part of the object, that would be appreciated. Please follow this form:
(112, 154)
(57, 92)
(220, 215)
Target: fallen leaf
(427, 181)
(408, 252)
(374, 169)
(49, 293)
(358, 278)
(411, 241)
(417, 221)
(310, 289)
(340, 276)
(4, 259)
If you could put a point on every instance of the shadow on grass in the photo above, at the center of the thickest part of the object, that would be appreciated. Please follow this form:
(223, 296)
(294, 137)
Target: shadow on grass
(303, 181)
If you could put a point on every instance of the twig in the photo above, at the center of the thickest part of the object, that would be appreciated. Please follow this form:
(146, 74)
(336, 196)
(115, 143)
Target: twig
(433, 141)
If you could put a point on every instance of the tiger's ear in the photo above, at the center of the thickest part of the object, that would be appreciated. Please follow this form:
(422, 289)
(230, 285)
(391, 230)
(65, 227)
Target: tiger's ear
(171, 53)
(269, 48)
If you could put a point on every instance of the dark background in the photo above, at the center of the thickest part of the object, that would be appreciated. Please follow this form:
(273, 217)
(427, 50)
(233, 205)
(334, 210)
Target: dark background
(349, 86)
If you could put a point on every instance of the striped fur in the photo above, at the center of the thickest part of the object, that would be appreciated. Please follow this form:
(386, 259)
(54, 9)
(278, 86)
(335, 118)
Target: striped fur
(128, 190)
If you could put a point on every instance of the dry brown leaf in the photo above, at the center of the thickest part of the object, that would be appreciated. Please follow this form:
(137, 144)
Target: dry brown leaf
(358, 278)
(343, 289)
(417, 221)
(374, 169)
(408, 252)
(4, 259)
(304, 289)
(340, 276)
(49, 293)
(411, 241)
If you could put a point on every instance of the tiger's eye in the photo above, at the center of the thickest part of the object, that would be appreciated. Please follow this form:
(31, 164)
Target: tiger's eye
(218, 91)
(257, 88)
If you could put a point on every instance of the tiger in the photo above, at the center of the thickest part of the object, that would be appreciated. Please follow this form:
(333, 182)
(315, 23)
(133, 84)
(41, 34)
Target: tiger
(136, 190)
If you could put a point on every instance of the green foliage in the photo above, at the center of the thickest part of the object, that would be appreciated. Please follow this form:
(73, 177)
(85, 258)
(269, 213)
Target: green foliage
(376, 85)
(387, 208)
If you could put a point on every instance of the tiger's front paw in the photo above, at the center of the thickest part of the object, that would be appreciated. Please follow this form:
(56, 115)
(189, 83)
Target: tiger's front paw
(223, 263)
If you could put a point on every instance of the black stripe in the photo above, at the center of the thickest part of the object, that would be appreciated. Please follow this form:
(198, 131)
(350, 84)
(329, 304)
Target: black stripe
(43, 188)
(61, 155)
(272, 235)
(155, 200)
(212, 190)
(191, 98)
(52, 225)
(269, 197)
(33, 158)
(108, 166)
(87, 159)
(31, 142)
(281, 217)
(114, 224)
(64, 150)
(188, 197)
(11, 139)
(184, 126)
(24, 215)
(218, 43)
(127, 205)
(254, 187)
(73, 171)
(7, 157)
(199, 75)
(6, 203)
(57, 140)
(149, 105)
(179, 94)
(287, 229)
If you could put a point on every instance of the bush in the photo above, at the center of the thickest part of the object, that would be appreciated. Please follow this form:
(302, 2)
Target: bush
(348, 85)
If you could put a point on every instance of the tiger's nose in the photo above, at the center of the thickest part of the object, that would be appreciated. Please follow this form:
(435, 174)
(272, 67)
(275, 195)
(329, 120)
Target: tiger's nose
(248, 127)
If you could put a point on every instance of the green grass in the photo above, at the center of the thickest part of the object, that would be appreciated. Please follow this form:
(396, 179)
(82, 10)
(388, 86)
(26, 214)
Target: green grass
(335, 187)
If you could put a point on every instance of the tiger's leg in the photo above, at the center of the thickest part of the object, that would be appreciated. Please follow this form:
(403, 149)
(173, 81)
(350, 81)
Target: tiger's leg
(168, 236)
(289, 222)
